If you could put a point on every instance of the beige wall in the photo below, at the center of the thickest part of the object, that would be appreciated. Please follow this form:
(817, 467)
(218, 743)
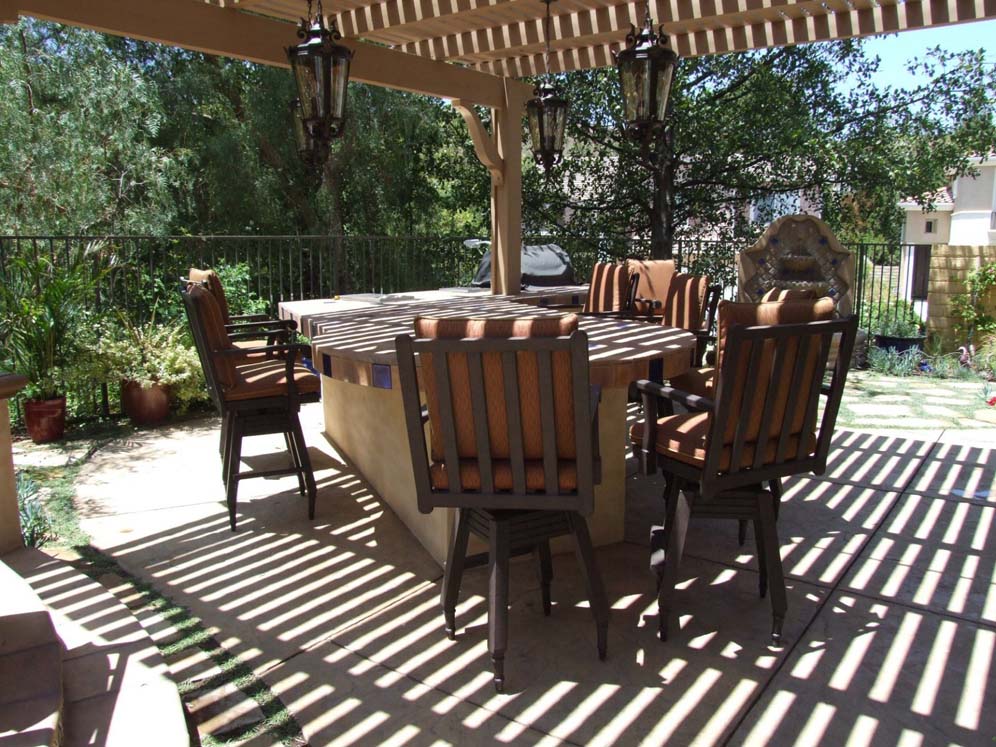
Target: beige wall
(916, 223)
(949, 266)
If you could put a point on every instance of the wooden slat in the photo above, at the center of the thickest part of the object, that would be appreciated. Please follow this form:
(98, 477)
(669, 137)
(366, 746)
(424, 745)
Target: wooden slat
(548, 421)
(444, 399)
(809, 419)
(797, 369)
(776, 379)
(747, 404)
(513, 416)
(479, 409)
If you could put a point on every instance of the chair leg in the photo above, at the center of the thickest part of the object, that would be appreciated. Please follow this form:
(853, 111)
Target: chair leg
(775, 486)
(453, 572)
(742, 532)
(776, 579)
(592, 580)
(675, 526)
(223, 439)
(500, 547)
(233, 462)
(296, 459)
(226, 444)
(305, 459)
(762, 558)
(544, 567)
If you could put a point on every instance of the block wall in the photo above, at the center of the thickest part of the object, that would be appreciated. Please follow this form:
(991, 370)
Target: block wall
(949, 267)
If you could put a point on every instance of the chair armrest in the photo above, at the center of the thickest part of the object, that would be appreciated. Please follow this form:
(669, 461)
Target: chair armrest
(293, 348)
(561, 306)
(690, 401)
(250, 317)
(655, 303)
(255, 334)
(264, 322)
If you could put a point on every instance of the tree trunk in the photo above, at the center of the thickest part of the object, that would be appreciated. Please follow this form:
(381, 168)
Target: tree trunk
(662, 214)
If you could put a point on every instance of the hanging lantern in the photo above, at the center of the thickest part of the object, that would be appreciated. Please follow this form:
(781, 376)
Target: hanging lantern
(646, 71)
(547, 113)
(321, 71)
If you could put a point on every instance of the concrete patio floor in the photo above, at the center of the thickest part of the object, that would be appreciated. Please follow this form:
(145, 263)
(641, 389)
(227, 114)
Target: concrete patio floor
(889, 640)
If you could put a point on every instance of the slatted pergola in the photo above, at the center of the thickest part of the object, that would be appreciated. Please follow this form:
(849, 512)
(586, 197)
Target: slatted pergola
(472, 51)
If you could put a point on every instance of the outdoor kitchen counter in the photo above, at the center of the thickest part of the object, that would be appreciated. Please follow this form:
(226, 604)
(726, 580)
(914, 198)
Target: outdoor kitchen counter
(353, 345)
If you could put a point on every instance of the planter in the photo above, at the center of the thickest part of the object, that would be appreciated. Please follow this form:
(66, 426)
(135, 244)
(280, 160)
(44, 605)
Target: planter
(900, 344)
(144, 405)
(45, 419)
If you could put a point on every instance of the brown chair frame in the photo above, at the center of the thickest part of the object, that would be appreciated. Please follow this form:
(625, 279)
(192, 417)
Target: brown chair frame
(736, 492)
(257, 416)
(516, 521)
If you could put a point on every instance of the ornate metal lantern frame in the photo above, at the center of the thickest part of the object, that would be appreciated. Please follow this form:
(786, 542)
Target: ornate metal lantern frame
(547, 113)
(321, 72)
(646, 72)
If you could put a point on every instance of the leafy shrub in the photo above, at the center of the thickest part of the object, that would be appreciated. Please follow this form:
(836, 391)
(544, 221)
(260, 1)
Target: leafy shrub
(891, 318)
(36, 528)
(971, 307)
(242, 299)
(889, 361)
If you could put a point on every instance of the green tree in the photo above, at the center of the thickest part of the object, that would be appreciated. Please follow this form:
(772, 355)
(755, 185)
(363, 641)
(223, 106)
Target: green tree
(792, 121)
(77, 154)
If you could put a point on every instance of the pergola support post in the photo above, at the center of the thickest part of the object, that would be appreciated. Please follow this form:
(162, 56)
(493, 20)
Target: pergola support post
(501, 152)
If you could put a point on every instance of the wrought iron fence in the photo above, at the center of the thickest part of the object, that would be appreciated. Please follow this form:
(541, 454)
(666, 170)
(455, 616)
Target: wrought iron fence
(141, 273)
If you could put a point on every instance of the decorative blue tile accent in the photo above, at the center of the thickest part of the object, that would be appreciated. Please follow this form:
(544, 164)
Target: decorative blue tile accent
(327, 365)
(381, 376)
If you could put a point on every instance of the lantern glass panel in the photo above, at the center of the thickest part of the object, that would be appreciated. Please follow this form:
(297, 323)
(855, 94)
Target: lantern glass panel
(535, 112)
(307, 85)
(340, 77)
(664, 74)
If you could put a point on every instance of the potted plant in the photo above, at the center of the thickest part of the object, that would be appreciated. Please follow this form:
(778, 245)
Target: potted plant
(44, 301)
(899, 333)
(155, 367)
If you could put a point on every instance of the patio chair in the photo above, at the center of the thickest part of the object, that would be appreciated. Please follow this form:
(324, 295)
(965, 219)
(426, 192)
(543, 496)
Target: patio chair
(513, 446)
(611, 292)
(760, 427)
(254, 396)
(245, 330)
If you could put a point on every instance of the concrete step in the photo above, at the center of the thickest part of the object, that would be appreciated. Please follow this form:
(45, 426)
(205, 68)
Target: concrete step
(30, 667)
(116, 688)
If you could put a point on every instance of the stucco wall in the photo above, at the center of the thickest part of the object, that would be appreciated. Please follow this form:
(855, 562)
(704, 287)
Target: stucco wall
(949, 266)
(916, 222)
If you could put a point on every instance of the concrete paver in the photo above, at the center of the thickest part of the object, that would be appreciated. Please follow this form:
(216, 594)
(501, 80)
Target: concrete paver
(340, 616)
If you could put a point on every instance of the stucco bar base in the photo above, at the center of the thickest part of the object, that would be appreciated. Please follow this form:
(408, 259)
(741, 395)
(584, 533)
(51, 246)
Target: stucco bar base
(367, 427)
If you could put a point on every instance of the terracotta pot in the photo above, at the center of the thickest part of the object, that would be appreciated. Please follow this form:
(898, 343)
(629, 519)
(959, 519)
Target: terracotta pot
(145, 406)
(45, 419)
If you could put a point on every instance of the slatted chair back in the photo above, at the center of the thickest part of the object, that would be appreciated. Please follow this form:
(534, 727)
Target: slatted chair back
(767, 394)
(611, 288)
(509, 413)
(685, 304)
(655, 277)
(733, 313)
(208, 329)
(210, 280)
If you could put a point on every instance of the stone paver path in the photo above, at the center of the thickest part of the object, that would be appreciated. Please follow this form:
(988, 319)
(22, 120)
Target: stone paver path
(890, 635)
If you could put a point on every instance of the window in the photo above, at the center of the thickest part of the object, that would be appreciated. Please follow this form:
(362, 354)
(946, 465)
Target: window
(930, 227)
(921, 272)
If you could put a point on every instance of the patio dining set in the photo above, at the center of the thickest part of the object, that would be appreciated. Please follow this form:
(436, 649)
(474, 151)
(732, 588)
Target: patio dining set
(496, 426)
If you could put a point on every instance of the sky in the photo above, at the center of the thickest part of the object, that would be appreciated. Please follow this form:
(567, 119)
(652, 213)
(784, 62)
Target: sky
(897, 50)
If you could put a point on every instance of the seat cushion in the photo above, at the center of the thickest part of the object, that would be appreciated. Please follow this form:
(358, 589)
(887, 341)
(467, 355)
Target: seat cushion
(470, 475)
(684, 306)
(608, 289)
(268, 378)
(699, 381)
(683, 437)
(655, 280)
(778, 312)
(528, 380)
(788, 294)
(210, 277)
(215, 336)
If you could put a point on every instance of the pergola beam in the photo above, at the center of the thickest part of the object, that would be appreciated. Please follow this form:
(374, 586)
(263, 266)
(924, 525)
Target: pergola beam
(822, 26)
(226, 32)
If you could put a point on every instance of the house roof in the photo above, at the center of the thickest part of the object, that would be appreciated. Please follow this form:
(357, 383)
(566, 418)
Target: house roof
(942, 200)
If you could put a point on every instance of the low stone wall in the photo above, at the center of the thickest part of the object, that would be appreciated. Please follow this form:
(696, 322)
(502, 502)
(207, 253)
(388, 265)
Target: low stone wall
(949, 267)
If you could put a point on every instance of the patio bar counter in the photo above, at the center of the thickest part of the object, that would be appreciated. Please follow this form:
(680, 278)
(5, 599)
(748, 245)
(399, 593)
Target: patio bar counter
(353, 346)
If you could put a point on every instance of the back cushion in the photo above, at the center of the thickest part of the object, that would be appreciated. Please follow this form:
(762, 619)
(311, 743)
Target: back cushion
(214, 285)
(788, 294)
(788, 312)
(684, 306)
(215, 336)
(494, 385)
(608, 289)
(655, 277)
